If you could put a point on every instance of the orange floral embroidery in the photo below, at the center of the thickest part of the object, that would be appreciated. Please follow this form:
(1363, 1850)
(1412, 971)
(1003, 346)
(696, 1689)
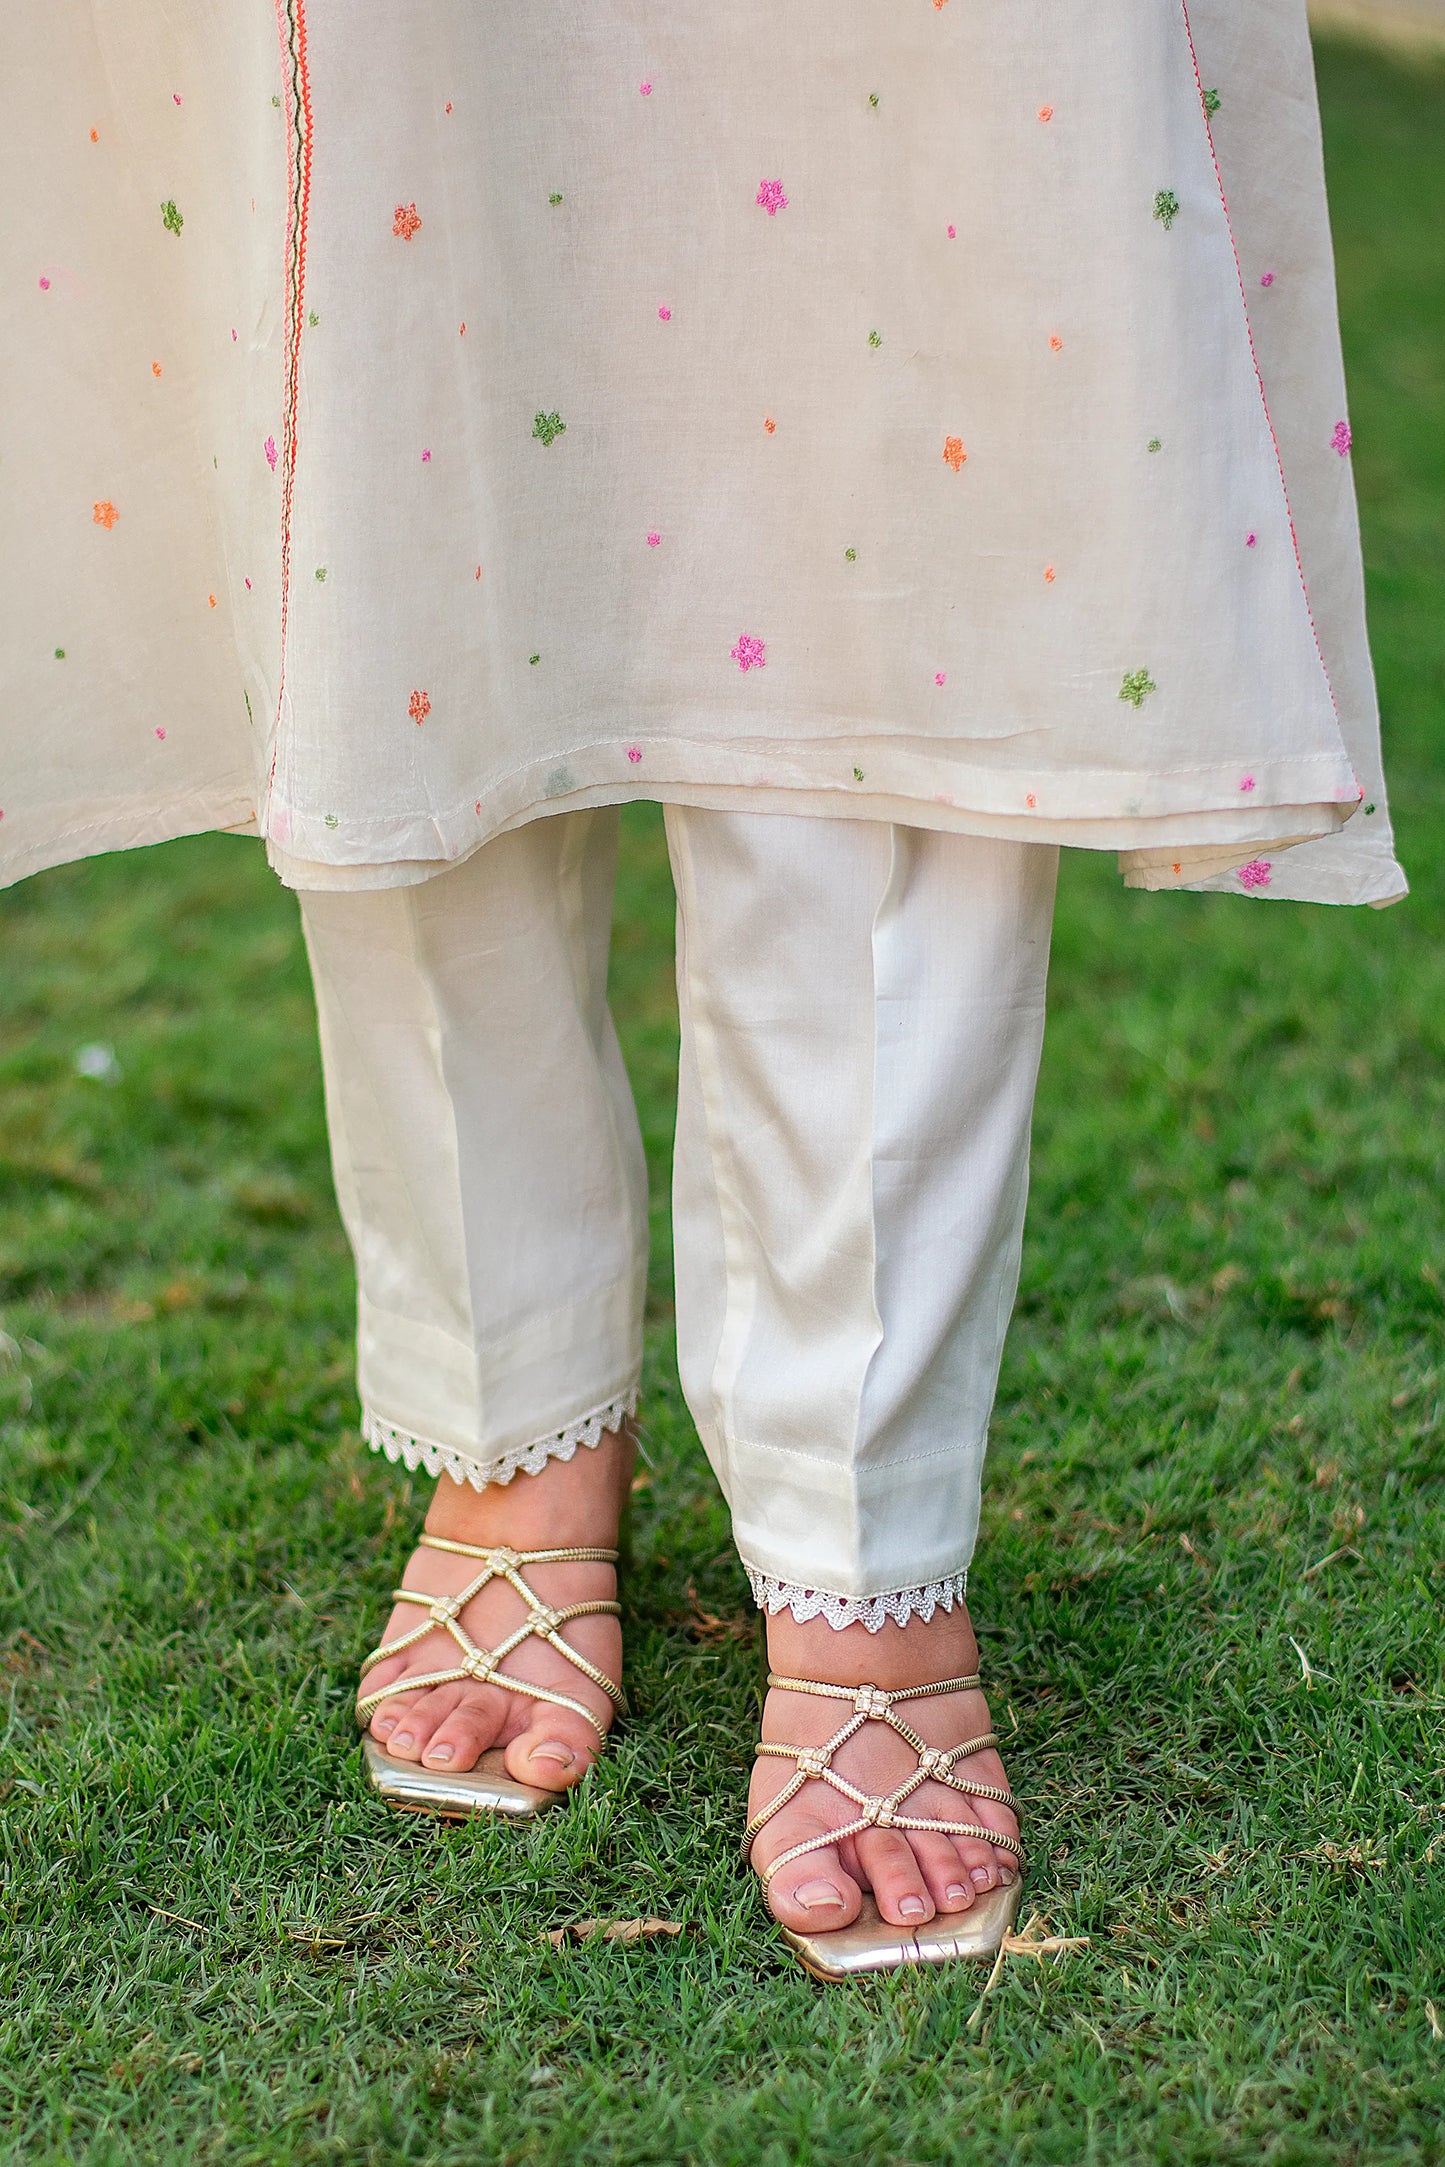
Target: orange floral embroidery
(155, 368)
(95, 135)
(1178, 868)
(1046, 112)
(954, 454)
(1056, 343)
(418, 707)
(1050, 574)
(1031, 801)
(104, 514)
(770, 425)
(212, 600)
(406, 222)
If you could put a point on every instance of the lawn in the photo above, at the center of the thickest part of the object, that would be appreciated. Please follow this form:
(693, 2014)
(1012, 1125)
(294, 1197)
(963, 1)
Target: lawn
(1209, 1586)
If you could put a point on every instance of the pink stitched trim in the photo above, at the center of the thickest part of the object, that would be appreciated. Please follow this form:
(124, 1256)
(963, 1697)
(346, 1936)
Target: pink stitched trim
(291, 29)
(1254, 353)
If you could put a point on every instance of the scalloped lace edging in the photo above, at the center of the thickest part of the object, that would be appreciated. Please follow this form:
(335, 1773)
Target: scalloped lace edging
(867, 1610)
(529, 1459)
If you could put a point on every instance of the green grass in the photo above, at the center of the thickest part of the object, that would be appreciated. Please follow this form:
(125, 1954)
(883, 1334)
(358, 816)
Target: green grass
(1226, 1368)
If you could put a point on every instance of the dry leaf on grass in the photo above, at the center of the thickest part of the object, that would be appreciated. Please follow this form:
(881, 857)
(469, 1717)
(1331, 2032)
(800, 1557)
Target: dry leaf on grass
(610, 1930)
(1358, 1855)
(707, 1625)
(1036, 1941)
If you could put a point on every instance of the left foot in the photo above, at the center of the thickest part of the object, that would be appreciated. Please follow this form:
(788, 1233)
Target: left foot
(914, 1876)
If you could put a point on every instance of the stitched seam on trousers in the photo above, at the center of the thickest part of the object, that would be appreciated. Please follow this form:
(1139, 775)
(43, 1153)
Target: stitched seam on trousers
(739, 1282)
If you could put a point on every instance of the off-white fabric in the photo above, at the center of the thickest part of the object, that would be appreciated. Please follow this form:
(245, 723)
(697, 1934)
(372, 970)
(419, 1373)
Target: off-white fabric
(862, 1011)
(419, 420)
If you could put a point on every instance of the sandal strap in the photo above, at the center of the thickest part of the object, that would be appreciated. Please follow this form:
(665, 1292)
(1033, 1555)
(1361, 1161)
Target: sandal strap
(543, 1622)
(872, 1704)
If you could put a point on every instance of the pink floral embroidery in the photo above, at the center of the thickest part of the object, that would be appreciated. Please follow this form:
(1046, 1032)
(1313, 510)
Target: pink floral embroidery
(770, 195)
(270, 450)
(426, 458)
(1251, 541)
(634, 754)
(1342, 439)
(1246, 783)
(954, 454)
(646, 89)
(160, 733)
(1256, 874)
(653, 540)
(406, 222)
(1030, 800)
(953, 233)
(104, 514)
(666, 314)
(940, 677)
(749, 653)
(1268, 279)
(44, 285)
(418, 707)
(248, 586)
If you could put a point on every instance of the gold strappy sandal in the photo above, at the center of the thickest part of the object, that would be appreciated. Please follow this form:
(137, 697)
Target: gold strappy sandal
(871, 1943)
(487, 1788)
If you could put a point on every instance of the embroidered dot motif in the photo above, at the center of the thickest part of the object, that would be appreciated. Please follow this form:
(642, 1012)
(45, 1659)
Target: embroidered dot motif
(1154, 444)
(269, 448)
(851, 555)
(1166, 207)
(1212, 102)
(171, 218)
(1268, 279)
(634, 754)
(770, 196)
(653, 540)
(1136, 688)
(548, 427)
(770, 425)
(418, 707)
(749, 653)
(857, 774)
(1246, 784)
(666, 314)
(405, 221)
(104, 514)
(875, 338)
(1256, 874)
(1342, 439)
(954, 454)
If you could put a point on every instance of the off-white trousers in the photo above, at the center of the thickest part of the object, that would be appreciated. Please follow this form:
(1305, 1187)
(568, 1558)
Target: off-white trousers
(862, 1011)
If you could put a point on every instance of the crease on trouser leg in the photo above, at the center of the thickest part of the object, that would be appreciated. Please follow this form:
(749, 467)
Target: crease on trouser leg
(862, 1011)
(486, 1152)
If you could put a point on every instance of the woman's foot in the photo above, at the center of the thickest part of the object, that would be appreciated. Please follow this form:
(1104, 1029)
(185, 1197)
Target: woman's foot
(570, 1504)
(914, 1877)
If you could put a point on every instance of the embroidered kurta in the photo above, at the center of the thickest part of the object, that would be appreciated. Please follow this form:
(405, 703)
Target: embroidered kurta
(418, 422)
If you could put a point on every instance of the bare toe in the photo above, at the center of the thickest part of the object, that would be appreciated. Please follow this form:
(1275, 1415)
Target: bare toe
(814, 1894)
(979, 1862)
(465, 1733)
(899, 1889)
(556, 1749)
(947, 1879)
(420, 1715)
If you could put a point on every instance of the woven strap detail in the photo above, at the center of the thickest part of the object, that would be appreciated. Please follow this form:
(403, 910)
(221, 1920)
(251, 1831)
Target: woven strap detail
(542, 1622)
(814, 1764)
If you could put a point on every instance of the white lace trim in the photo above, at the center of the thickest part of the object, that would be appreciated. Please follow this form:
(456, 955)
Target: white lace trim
(522, 1459)
(866, 1610)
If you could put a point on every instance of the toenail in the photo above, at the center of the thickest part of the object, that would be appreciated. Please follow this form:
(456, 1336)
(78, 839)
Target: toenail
(956, 1892)
(818, 1896)
(980, 1874)
(1007, 1876)
(440, 1753)
(554, 1750)
(913, 1907)
(403, 1738)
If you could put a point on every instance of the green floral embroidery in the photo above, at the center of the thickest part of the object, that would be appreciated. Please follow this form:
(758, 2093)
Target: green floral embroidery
(313, 318)
(873, 97)
(851, 555)
(171, 217)
(1368, 808)
(1166, 207)
(275, 101)
(331, 820)
(534, 658)
(1154, 444)
(321, 571)
(60, 657)
(548, 427)
(554, 197)
(875, 338)
(1212, 102)
(857, 774)
(1137, 687)
(245, 695)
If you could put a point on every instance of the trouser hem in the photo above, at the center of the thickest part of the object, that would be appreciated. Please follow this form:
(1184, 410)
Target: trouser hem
(475, 1467)
(870, 1611)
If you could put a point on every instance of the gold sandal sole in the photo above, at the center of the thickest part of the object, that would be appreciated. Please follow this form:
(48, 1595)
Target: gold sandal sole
(871, 1944)
(487, 1788)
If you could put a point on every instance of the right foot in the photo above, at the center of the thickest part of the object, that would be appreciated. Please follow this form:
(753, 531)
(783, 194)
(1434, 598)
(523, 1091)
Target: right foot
(570, 1504)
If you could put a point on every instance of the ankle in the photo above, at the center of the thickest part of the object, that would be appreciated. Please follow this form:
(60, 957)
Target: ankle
(918, 1653)
(568, 1504)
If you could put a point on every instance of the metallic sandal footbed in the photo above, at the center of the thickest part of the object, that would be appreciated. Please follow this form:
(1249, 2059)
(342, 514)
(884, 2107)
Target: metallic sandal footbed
(487, 1788)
